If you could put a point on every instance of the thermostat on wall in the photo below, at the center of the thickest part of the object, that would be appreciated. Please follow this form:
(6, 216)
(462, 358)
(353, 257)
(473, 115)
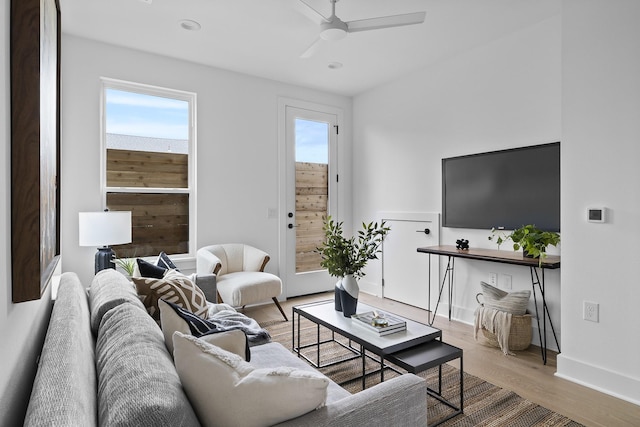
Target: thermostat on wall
(597, 214)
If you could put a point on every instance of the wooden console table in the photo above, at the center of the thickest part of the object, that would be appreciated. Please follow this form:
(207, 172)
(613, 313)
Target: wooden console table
(506, 257)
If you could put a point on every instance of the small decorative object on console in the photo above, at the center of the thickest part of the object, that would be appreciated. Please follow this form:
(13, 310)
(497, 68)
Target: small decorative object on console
(462, 244)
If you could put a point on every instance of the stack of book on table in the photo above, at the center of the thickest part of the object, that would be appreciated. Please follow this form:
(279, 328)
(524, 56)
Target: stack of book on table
(380, 322)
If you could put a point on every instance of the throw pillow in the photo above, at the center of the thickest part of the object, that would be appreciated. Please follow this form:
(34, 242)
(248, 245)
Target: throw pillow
(244, 396)
(174, 287)
(172, 320)
(511, 302)
(147, 269)
(165, 262)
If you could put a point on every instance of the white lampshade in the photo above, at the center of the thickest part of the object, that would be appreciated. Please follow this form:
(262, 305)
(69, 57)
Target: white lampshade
(104, 228)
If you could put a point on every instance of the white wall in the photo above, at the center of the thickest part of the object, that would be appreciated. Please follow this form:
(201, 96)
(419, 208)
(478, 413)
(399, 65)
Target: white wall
(601, 152)
(237, 174)
(501, 95)
(22, 326)
(237, 152)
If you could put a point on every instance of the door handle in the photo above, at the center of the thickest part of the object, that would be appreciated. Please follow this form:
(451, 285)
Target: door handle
(425, 231)
(290, 226)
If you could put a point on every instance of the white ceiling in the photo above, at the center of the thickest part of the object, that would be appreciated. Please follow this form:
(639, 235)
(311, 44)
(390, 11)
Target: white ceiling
(266, 37)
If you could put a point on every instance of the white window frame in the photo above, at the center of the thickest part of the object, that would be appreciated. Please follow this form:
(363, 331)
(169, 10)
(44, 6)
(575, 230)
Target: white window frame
(191, 99)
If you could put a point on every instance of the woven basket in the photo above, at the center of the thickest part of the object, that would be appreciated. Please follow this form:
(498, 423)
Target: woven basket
(519, 336)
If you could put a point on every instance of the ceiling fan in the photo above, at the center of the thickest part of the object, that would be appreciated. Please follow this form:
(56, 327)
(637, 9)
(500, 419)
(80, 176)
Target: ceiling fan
(334, 28)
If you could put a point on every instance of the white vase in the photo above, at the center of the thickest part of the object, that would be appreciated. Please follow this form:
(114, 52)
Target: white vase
(350, 284)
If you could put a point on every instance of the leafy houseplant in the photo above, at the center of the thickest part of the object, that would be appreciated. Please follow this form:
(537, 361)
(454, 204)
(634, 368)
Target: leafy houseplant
(531, 239)
(346, 258)
(342, 256)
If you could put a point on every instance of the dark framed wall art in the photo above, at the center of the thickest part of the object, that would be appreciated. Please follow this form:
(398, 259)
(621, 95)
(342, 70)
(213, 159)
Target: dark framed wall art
(35, 146)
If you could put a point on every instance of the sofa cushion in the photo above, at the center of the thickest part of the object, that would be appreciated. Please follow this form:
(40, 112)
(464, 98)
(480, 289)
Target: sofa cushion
(511, 302)
(64, 390)
(273, 355)
(109, 289)
(137, 381)
(244, 396)
(234, 341)
(174, 287)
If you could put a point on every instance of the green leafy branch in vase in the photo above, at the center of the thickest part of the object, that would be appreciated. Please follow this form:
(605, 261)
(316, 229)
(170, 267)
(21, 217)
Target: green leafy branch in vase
(342, 256)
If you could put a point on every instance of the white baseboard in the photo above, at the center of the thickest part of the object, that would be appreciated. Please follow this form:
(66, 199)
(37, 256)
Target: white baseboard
(597, 378)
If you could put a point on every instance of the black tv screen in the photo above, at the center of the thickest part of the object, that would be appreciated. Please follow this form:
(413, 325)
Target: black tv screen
(503, 189)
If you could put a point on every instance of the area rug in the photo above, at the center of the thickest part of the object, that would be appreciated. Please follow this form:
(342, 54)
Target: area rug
(484, 403)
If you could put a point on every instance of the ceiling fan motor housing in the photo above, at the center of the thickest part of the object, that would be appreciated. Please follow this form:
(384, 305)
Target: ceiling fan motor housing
(336, 29)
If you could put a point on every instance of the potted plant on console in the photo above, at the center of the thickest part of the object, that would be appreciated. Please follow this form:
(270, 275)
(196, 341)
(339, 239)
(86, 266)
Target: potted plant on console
(531, 239)
(346, 258)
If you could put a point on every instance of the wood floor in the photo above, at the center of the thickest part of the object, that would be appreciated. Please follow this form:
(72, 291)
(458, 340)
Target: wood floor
(524, 373)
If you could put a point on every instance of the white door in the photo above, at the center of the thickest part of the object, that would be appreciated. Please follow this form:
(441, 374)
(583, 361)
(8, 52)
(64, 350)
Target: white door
(311, 194)
(405, 271)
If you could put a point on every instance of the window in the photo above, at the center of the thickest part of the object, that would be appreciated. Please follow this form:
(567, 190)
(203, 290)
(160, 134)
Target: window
(148, 144)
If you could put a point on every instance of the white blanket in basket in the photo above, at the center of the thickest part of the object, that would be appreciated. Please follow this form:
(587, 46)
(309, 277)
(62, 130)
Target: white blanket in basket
(495, 321)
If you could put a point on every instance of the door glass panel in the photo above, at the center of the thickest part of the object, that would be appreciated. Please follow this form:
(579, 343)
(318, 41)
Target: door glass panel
(312, 190)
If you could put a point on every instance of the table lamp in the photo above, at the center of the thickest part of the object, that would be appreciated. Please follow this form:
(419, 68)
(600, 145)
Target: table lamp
(101, 229)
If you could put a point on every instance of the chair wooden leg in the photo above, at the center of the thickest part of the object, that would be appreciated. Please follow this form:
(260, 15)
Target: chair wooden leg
(280, 308)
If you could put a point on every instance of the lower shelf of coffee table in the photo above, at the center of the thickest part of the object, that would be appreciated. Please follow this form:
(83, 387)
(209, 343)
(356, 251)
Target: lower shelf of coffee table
(430, 355)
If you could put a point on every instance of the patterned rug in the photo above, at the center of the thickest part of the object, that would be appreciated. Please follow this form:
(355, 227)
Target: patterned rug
(484, 403)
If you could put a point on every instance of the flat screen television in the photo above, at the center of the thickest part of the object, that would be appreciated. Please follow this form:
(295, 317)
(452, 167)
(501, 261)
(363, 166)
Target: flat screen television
(503, 189)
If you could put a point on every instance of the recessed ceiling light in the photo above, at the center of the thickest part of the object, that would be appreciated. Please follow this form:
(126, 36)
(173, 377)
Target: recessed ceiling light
(335, 65)
(146, 1)
(190, 25)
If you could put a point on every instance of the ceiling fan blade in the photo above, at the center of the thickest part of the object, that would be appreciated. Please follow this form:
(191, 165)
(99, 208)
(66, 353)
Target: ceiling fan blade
(309, 12)
(311, 50)
(386, 22)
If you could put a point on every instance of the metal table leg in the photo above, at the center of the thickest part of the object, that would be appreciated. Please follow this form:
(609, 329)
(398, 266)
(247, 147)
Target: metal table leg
(542, 334)
(448, 278)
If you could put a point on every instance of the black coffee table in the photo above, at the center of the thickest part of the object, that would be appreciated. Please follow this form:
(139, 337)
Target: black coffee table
(416, 349)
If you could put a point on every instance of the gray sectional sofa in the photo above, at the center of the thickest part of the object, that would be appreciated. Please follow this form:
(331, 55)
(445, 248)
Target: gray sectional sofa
(104, 362)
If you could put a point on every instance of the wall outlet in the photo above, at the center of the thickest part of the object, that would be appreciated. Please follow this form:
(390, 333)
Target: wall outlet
(505, 281)
(590, 311)
(493, 279)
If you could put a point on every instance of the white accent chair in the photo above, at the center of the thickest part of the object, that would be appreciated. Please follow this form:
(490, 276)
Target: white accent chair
(240, 276)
